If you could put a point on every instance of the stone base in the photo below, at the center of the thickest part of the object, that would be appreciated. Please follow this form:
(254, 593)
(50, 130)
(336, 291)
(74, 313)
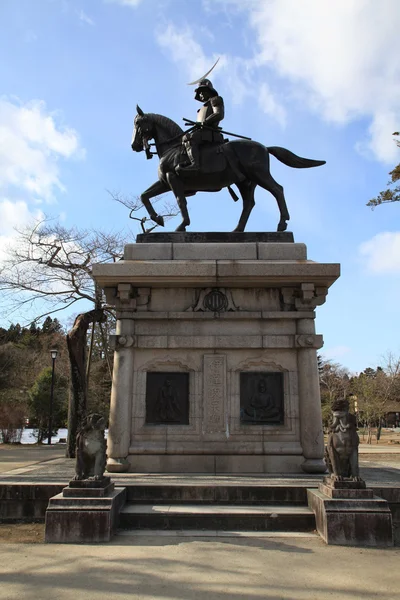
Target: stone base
(88, 488)
(117, 465)
(219, 237)
(215, 464)
(84, 514)
(218, 312)
(314, 465)
(351, 517)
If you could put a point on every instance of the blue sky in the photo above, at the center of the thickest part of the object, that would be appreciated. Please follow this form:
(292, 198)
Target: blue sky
(320, 78)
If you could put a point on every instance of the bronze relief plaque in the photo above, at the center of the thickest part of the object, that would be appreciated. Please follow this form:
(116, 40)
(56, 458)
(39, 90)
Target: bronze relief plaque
(167, 398)
(261, 398)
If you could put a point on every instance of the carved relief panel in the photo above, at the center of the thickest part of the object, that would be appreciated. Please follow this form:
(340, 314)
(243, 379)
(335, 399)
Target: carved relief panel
(167, 398)
(261, 398)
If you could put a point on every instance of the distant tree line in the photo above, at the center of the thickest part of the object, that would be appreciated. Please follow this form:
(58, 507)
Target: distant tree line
(374, 394)
(25, 379)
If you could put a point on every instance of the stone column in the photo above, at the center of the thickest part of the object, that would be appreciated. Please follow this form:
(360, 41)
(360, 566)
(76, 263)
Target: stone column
(311, 433)
(119, 435)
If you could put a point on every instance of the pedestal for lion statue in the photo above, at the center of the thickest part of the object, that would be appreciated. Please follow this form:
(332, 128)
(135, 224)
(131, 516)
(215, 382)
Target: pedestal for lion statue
(215, 365)
(347, 513)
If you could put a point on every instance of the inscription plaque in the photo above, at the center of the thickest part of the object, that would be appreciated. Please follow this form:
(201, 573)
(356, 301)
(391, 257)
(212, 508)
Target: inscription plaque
(214, 392)
(261, 398)
(167, 398)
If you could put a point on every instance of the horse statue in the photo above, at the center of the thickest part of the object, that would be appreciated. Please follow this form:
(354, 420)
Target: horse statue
(244, 163)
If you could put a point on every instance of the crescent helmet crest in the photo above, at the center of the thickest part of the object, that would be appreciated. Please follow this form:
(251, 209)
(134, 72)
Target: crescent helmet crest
(204, 76)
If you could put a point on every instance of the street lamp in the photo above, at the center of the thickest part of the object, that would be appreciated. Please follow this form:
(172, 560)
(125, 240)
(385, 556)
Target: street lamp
(53, 354)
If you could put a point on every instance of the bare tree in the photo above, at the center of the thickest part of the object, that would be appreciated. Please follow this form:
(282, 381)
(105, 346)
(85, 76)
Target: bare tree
(49, 269)
(375, 391)
(391, 194)
(334, 384)
(168, 209)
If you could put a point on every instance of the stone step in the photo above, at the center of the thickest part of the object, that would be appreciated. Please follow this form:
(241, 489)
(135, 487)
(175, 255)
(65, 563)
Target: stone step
(213, 533)
(217, 517)
(217, 494)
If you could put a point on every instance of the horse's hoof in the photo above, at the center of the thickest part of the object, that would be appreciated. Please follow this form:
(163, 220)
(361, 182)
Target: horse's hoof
(159, 220)
(282, 226)
(181, 228)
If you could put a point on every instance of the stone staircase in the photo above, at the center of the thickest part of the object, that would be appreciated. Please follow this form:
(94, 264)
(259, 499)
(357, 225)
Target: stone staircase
(217, 507)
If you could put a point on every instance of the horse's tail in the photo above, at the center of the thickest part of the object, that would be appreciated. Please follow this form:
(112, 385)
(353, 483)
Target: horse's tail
(292, 160)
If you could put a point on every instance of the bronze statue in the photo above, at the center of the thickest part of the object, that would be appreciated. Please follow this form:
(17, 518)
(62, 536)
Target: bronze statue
(210, 115)
(167, 406)
(261, 406)
(214, 162)
(91, 449)
(341, 452)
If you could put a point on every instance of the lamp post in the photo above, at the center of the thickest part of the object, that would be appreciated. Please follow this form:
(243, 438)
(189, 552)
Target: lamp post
(53, 354)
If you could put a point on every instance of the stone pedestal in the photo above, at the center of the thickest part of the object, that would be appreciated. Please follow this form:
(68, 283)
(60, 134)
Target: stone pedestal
(216, 354)
(347, 513)
(85, 512)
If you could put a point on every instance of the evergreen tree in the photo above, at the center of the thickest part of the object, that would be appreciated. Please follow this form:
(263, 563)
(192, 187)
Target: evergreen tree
(39, 402)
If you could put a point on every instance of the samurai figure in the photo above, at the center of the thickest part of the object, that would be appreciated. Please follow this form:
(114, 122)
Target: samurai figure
(208, 118)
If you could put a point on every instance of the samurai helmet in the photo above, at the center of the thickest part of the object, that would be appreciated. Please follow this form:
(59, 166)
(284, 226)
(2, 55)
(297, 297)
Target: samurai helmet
(205, 84)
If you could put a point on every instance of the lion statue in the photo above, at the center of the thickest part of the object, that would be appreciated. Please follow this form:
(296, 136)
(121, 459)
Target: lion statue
(341, 452)
(91, 449)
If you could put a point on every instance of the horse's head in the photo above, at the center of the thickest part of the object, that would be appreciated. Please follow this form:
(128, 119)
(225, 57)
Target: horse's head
(142, 130)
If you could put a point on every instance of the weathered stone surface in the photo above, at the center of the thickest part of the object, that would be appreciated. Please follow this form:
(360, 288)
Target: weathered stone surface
(345, 494)
(243, 299)
(214, 237)
(25, 501)
(161, 251)
(214, 251)
(280, 251)
(352, 522)
(83, 520)
(88, 488)
(214, 392)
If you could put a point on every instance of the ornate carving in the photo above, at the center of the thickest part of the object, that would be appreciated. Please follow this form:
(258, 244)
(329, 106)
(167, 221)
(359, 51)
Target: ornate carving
(125, 294)
(142, 298)
(341, 452)
(121, 341)
(309, 341)
(131, 298)
(261, 397)
(167, 398)
(214, 300)
(91, 449)
(309, 297)
(214, 392)
(305, 298)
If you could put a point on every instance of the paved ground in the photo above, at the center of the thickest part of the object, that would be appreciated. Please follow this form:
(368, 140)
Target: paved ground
(173, 566)
(47, 464)
(16, 456)
(165, 568)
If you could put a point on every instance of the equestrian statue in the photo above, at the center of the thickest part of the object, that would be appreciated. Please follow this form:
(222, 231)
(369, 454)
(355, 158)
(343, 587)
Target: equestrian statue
(202, 160)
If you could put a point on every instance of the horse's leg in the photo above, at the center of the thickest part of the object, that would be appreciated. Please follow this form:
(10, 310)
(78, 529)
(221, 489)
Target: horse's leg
(159, 187)
(178, 189)
(264, 179)
(246, 189)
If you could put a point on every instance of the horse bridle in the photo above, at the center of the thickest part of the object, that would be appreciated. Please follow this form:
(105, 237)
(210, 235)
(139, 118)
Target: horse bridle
(145, 139)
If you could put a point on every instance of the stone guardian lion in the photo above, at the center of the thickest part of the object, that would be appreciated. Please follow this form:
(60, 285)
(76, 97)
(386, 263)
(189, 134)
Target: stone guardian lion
(91, 449)
(341, 452)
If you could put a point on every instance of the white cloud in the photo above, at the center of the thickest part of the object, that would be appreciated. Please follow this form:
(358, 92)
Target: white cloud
(237, 73)
(131, 3)
(84, 17)
(31, 143)
(270, 106)
(382, 253)
(12, 215)
(340, 56)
